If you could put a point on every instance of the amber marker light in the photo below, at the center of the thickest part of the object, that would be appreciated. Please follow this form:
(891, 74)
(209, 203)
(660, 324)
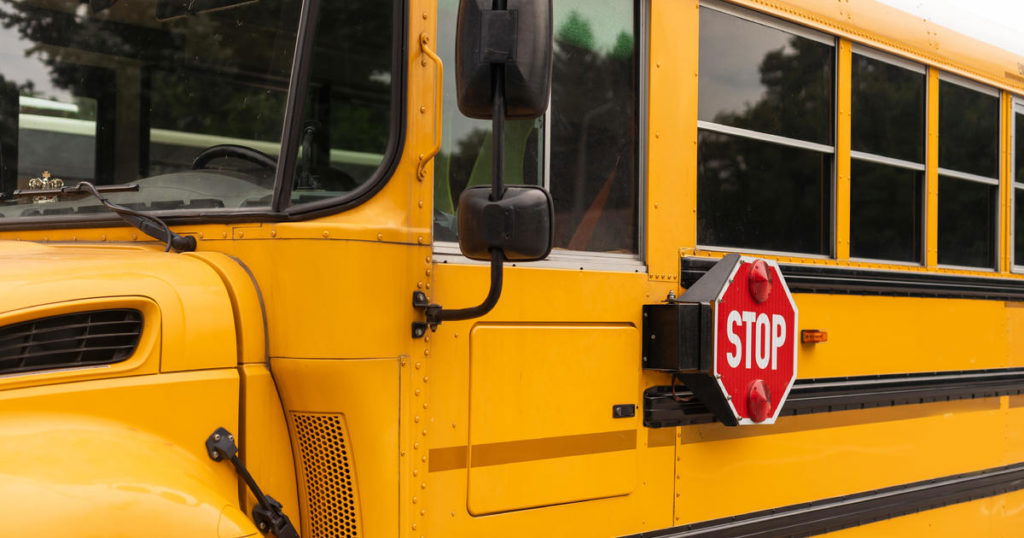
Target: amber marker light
(813, 336)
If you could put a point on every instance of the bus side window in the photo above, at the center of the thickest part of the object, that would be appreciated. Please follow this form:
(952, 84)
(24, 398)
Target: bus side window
(765, 142)
(887, 158)
(968, 173)
(584, 150)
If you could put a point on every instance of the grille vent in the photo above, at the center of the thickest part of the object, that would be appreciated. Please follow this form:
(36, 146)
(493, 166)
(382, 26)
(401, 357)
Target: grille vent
(328, 476)
(70, 340)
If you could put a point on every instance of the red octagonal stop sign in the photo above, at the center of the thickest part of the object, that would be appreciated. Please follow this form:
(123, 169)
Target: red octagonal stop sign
(755, 341)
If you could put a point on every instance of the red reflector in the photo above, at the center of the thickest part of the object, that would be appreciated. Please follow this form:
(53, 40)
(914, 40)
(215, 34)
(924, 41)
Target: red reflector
(759, 401)
(813, 336)
(760, 281)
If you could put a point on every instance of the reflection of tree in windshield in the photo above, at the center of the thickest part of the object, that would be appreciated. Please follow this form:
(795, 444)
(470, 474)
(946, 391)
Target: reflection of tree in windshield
(761, 195)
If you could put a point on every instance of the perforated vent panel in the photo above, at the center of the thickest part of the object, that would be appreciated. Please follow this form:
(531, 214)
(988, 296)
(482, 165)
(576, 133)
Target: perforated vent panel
(328, 476)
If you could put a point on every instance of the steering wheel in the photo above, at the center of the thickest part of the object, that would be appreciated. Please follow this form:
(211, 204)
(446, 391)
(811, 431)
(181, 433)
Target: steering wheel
(234, 151)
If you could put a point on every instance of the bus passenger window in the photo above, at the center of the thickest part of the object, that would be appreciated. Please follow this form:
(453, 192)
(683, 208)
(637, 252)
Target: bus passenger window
(1018, 184)
(584, 150)
(887, 158)
(968, 173)
(765, 144)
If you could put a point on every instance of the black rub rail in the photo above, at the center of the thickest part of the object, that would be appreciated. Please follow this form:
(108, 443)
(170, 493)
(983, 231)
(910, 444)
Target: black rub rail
(803, 278)
(837, 513)
(666, 406)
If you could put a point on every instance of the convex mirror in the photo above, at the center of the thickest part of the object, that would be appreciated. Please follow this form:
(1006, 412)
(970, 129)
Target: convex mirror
(518, 36)
(519, 224)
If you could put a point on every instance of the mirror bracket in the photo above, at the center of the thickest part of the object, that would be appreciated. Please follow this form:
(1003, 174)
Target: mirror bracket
(434, 314)
(487, 43)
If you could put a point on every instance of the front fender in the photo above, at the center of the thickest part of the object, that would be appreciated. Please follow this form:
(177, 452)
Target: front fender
(73, 475)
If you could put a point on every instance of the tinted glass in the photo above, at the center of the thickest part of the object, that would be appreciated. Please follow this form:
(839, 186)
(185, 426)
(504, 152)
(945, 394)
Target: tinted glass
(757, 195)
(968, 130)
(1018, 227)
(760, 78)
(118, 92)
(348, 110)
(966, 223)
(885, 212)
(888, 109)
(1018, 148)
(591, 137)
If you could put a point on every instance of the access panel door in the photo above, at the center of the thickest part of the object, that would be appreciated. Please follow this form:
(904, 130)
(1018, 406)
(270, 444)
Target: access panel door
(541, 424)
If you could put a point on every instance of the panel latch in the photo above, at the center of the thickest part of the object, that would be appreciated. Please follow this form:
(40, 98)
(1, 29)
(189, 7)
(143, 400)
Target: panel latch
(267, 514)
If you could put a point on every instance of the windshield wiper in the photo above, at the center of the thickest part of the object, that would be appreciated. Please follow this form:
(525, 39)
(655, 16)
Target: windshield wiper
(147, 224)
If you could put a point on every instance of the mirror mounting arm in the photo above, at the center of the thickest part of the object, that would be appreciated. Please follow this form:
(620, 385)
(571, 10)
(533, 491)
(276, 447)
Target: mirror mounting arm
(434, 313)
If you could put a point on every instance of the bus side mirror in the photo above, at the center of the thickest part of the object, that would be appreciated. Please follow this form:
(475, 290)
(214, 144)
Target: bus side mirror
(517, 35)
(519, 224)
(502, 70)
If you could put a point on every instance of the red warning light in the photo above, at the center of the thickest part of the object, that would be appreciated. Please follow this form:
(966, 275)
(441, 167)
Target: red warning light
(759, 401)
(760, 281)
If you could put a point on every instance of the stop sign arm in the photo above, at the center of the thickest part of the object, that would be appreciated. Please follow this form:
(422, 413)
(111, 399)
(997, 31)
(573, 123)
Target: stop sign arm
(709, 286)
(678, 338)
(730, 339)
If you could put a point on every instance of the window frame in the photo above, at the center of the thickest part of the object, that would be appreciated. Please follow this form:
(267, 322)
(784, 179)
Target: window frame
(814, 35)
(278, 210)
(448, 252)
(1016, 107)
(997, 251)
(922, 69)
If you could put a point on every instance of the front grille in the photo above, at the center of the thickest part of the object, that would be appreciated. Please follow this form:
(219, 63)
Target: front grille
(70, 340)
(328, 478)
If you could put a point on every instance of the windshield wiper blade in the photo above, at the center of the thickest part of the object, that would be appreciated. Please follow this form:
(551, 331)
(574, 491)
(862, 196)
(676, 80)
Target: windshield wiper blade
(23, 193)
(147, 224)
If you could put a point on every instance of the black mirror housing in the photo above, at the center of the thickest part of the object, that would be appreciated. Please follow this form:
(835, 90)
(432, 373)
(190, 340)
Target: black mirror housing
(520, 224)
(518, 37)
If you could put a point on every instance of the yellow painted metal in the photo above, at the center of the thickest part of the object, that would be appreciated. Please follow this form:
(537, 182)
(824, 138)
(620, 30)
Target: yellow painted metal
(120, 457)
(844, 77)
(190, 296)
(532, 440)
(812, 457)
(1005, 209)
(365, 394)
(931, 152)
(246, 304)
(882, 335)
(671, 204)
(530, 403)
(264, 439)
(145, 360)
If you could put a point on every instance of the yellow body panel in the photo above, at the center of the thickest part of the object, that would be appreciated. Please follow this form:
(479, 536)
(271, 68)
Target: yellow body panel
(499, 426)
(120, 457)
(530, 437)
(364, 395)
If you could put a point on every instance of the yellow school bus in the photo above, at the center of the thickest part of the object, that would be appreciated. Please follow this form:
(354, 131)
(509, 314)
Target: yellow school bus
(241, 242)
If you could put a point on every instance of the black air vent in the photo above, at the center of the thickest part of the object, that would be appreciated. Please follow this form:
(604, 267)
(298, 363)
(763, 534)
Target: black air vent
(70, 341)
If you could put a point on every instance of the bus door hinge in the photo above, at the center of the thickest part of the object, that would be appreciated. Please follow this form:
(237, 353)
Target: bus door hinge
(267, 514)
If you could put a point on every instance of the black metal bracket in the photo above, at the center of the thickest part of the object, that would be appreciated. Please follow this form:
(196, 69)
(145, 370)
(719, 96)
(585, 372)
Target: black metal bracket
(268, 513)
(671, 406)
(431, 312)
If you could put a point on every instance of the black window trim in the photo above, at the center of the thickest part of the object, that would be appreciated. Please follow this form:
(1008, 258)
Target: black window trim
(997, 235)
(831, 40)
(285, 176)
(922, 168)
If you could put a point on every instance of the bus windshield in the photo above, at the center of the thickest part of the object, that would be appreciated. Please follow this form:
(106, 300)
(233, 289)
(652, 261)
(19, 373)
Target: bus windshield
(185, 99)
